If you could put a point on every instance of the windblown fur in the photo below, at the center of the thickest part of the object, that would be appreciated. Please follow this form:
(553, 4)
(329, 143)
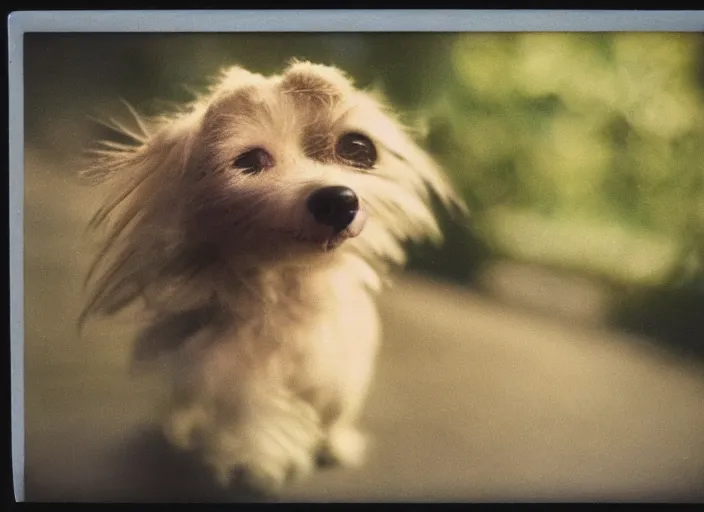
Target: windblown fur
(265, 328)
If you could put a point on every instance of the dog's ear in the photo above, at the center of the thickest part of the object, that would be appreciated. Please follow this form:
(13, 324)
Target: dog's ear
(143, 180)
(436, 181)
(152, 145)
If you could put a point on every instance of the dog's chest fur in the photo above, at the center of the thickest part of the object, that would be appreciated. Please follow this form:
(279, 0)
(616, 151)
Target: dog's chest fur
(308, 331)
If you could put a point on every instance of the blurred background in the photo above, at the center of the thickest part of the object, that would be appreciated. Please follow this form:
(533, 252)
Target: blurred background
(551, 349)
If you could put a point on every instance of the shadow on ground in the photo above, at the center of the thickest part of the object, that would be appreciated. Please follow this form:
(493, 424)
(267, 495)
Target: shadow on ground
(144, 468)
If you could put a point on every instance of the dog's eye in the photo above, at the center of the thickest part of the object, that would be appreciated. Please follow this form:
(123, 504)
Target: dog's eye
(357, 150)
(253, 161)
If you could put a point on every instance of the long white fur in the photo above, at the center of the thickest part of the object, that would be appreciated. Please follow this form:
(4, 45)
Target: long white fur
(267, 340)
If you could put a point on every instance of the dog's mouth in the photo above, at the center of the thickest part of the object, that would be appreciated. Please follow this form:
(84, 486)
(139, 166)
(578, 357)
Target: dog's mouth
(330, 240)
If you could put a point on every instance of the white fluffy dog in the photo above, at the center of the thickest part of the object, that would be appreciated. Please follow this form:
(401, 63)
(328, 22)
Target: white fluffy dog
(254, 227)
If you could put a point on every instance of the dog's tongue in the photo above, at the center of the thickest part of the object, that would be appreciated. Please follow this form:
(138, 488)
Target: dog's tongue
(356, 226)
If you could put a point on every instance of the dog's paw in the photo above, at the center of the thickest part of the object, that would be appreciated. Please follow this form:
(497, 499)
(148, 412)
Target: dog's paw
(265, 453)
(344, 446)
(270, 477)
(180, 427)
(265, 469)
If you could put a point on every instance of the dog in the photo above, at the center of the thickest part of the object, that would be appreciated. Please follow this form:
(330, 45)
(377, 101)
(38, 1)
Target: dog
(253, 229)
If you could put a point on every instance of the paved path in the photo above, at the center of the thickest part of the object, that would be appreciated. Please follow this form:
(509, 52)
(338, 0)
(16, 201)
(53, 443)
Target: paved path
(474, 400)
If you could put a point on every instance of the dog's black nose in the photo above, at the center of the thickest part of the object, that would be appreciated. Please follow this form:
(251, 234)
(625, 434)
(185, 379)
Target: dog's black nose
(334, 206)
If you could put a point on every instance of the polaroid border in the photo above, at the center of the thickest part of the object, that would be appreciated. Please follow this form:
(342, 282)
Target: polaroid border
(20, 23)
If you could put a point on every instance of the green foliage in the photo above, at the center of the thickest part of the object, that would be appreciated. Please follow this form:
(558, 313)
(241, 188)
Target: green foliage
(573, 134)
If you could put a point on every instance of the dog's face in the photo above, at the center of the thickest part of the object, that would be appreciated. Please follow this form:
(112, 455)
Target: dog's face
(302, 164)
(280, 167)
(298, 166)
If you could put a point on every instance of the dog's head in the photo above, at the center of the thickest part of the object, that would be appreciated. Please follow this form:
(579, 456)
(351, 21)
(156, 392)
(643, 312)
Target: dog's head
(294, 167)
